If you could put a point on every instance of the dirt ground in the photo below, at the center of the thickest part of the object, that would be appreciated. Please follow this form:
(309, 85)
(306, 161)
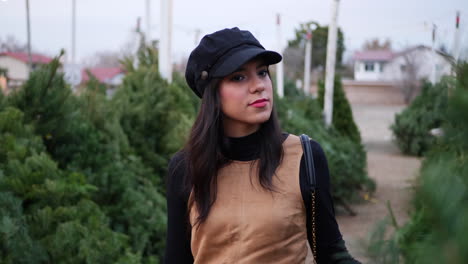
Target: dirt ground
(393, 172)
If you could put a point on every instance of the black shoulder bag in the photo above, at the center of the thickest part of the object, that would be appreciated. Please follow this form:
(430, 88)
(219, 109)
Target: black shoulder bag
(311, 183)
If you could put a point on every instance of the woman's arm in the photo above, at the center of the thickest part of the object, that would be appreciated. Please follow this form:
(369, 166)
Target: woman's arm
(178, 233)
(330, 244)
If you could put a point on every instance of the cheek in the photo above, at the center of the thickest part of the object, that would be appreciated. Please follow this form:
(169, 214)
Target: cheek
(228, 94)
(269, 90)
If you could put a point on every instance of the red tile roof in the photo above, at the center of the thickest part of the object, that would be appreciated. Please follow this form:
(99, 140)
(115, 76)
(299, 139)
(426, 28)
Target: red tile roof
(23, 56)
(102, 74)
(374, 55)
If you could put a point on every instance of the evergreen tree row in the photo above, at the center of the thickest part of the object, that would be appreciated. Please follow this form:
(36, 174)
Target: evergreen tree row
(82, 176)
(412, 126)
(437, 229)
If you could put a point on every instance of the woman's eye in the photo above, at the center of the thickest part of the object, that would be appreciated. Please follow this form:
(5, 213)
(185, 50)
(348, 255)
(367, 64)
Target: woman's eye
(237, 78)
(263, 73)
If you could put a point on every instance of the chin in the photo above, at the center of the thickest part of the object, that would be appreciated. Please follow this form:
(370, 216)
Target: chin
(262, 118)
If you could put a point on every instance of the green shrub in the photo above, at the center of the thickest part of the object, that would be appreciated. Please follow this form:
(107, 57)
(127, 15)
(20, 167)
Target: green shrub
(440, 229)
(437, 229)
(46, 215)
(2, 101)
(81, 176)
(156, 116)
(291, 91)
(346, 158)
(83, 135)
(462, 75)
(342, 119)
(412, 127)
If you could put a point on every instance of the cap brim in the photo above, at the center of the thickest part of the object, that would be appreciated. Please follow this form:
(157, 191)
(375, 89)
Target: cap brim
(238, 58)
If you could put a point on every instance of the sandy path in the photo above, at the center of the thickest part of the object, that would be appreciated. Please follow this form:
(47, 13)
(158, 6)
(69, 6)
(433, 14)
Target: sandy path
(393, 172)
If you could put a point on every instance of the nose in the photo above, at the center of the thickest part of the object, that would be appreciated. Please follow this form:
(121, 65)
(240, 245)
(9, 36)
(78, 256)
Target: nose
(258, 85)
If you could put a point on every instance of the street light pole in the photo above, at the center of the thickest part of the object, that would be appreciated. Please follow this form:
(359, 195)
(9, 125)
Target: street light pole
(165, 60)
(330, 65)
(433, 55)
(148, 21)
(307, 62)
(73, 31)
(279, 65)
(456, 41)
(28, 25)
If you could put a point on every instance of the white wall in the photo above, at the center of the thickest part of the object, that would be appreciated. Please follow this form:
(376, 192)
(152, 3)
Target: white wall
(423, 59)
(360, 73)
(16, 69)
(116, 80)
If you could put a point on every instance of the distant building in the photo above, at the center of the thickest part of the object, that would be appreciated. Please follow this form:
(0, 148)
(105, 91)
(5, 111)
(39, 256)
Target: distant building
(417, 63)
(393, 67)
(111, 77)
(369, 65)
(16, 64)
(72, 74)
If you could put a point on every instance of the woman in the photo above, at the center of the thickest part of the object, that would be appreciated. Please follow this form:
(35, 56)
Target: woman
(236, 191)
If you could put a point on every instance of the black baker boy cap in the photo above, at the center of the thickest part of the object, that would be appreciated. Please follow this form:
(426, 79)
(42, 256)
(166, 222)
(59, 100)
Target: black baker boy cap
(222, 53)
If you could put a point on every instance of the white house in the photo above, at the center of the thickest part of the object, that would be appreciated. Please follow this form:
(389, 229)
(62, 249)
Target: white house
(16, 64)
(387, 66)
(110, 76)
(418, 63)
(369, 65)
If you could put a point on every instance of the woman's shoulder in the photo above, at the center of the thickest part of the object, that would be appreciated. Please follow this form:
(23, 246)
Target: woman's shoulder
(177, 161)
(176, 171)
(315, 145)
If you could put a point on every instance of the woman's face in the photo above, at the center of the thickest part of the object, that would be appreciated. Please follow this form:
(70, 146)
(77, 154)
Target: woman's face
(246, 99)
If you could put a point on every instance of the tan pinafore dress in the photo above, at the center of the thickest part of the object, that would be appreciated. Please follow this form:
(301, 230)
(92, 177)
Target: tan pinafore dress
(248, 224)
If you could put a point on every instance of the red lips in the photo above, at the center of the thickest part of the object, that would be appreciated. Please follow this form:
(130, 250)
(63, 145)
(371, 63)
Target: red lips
(259, 101)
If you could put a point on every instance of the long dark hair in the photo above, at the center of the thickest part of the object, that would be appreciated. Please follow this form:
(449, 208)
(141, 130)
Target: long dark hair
(205, 156)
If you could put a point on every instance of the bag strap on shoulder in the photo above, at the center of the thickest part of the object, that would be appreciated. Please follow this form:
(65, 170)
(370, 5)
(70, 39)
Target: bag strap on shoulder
(310, 203)
(309, 162)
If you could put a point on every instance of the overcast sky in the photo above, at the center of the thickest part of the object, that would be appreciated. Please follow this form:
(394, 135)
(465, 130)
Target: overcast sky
(108, 25)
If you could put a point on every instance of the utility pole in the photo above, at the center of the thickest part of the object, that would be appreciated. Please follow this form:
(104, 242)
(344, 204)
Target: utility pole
(140, 40)
(73, 31)
(279, 66)
(330, 65)
(165, 62)
(148, 21)
(197, 36)
(169, 41)
(433, 55)
(456, 41)
(162, 40)
(307, 62)
(28, 25)
(138, 25)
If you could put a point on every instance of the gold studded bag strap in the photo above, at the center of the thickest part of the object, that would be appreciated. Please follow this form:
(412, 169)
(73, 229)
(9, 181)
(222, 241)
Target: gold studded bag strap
(312, 186)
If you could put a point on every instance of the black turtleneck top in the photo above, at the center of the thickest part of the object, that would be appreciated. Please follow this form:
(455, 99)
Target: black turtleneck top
(329, 239)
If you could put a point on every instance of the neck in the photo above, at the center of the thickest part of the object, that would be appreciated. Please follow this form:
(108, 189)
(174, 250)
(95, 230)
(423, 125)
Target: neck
(242, 148)
(239, 130)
